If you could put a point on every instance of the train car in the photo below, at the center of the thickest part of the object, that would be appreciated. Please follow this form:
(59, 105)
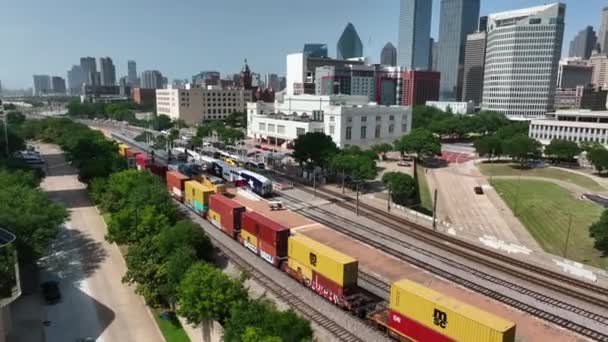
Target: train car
(197, 197)
(227, 172)
(264, 237)
(131, 156)
(421, 314)
(326, 271)
(158, 170)
(257, 183)
(142, 161)
(225, 214)
(122, 150)
(176, 184)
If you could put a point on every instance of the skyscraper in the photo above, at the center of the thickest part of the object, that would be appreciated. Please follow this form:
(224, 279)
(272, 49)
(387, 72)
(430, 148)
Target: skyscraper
(458, 19)
(474, 59)
(272, 81)
(89, 68)
(132, 72)
(388, 56)
(349, 44)
(107, 71)
(42, 85)
(414, 34)
(75, 80)
(583, 43)
(151, 79)
(316, 50)
(58, 85)
(602, 39)
(523, 51)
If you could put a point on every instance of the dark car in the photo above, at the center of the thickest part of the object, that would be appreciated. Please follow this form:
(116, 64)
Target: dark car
(50, 291)
(478, 190)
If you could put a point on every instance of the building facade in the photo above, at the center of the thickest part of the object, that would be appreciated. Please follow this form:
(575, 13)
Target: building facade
(195, 105)
(581, 97)
(348, 120)
(346, 80)
(599, 76)
(458, 19)
(146, 97)
(453, 107)
(573, 72)
(474, 63)
(583, 43)
(75, 80)
(522, 57)
(107, 71)
(602, 38)
(89, 69)
(58, 84)
(580, 126)
(388, 56)
(132, 73)
(414, 34)
(42, 85)
(349, 44)
(316, 50)
(273, 82)
(417, 87)
(151, 79)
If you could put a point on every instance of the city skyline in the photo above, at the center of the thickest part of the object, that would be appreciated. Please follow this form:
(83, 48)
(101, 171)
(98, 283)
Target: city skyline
(177, 60)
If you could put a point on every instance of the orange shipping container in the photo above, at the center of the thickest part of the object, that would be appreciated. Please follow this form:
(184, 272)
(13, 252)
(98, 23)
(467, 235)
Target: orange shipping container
(449, 317)
(337, 267)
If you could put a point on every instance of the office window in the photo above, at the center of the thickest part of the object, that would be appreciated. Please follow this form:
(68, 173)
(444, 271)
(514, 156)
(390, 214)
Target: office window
(391, 129)
(364, 119)
(281, 129)
(262, 126)
(300, 131)
(391, 118)
(378, 118)
(332, 130)
(270, 127)
(377, 133)
(332, 119)
(363, 132)
(349, 132)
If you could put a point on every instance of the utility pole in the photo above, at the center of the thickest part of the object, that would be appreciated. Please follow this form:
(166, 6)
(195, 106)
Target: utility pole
(314, 182)
(568, 237)
(435, 211)
(357, 198)
(388, 202)
(343, 181)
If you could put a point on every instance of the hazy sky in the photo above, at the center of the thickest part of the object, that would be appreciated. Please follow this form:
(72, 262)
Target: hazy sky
(183, 37)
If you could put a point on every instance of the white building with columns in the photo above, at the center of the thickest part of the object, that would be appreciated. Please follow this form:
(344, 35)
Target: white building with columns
(581, 126)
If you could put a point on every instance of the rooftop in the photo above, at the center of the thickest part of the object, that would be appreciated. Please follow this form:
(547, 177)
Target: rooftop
(523, 12)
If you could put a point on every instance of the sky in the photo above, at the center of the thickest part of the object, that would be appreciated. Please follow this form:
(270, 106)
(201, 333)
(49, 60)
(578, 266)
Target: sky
(183, 37)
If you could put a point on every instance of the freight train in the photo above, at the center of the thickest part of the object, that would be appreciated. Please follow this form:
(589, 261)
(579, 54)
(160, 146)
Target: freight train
(414, 313)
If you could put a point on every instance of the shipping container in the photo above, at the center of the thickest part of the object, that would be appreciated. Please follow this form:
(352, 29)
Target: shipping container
(337, 267)
(413, 330)
(158, 170)
(197, 196)
(225, 214)
(176, 184)
(447, 316)
(249, 240)
(273, 235)
(142, 161)
(122, 150)
(131, 155)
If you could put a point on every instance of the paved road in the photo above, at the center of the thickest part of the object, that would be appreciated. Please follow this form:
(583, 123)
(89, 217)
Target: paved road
(95, 302)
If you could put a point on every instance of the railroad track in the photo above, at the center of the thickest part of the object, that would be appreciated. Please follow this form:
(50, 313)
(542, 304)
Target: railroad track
(339, 332)
(596, 334)
(594, 294)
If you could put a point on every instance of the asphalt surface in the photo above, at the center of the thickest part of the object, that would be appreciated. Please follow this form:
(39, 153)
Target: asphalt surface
(95, 303)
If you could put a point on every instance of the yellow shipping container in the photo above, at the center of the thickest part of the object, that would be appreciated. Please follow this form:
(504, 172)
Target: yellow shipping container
(249, 240)
(454, 319)
(122, 150)
(337, 267)
(296, 266)
(197, 194)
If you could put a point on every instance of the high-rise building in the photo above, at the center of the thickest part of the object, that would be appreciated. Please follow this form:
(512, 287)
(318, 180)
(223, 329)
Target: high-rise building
(132, 72)
(573, 72)
(388, 56)
(418, 86)
(522, 56)
(602, 36)
(107, 71)
(583, 43)
(349, 44)
(42, 85)
(58, 84)
(474, 59)
(316, 50)
(151, 79)
(434, 54)
(414, 34)
(483, 24)
(89, 68)
(75, 80)
(458, 19)
(207, 78)
(346, 80)
(272, 81)
(599, 62)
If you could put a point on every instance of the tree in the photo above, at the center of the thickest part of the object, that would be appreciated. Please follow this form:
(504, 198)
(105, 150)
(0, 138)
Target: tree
(185, 233)
(599, 232)
(421, 142)
(161, 122)
(488, 146)
(598, 157)
(562, 149)
(206, 293)
(402, 187)
(132, 224)
(522, 148)
(253, 334)
(382, 149)
(487, 122)
(15, 118)
(360, 166)
(236, 119)
(314, 149)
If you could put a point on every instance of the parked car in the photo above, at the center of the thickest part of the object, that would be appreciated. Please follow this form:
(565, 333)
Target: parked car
(404, 163)
(50, 291)
(478, 190)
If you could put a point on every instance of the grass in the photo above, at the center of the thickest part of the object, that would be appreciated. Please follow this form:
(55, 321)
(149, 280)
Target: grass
(508, 169)
(172, 329)
(426, 200)
(544, 209)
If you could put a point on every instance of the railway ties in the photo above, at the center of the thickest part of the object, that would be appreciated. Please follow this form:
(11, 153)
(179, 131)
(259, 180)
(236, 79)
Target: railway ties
(542, 314)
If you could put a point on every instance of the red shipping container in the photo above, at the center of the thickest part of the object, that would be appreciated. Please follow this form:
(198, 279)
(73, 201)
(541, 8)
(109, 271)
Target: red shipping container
(159, 170)
(413, 329)
(269, 253)
(229, 212)
(175, 184)
(131, 153)
(142, 161)
(269, 231)
(328, 289)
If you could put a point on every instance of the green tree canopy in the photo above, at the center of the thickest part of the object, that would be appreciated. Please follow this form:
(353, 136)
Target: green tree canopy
(522, 148)
(314, 149)
(422, 142)
(359, 165)
(599, 232)
(402, 187)
(562, 149)
(206, 293)
(488, 146)
(598, 157)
